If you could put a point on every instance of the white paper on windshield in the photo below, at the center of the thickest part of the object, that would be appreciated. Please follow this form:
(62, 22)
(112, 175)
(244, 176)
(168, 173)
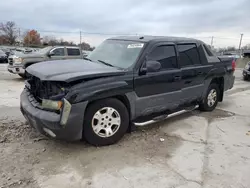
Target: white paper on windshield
(140, 45)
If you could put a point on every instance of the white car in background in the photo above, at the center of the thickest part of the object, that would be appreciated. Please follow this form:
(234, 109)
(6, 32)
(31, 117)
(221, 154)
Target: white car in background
(235, 56)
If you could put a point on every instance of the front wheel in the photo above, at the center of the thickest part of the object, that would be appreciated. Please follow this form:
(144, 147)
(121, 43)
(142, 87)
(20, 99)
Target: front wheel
(106, 121)
(22, 75)
(211, 100)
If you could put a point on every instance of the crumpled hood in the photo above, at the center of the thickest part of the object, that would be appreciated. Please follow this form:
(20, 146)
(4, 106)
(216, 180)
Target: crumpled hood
(71, 70)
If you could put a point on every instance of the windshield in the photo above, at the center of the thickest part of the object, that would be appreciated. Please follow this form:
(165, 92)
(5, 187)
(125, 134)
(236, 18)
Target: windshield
(16, 53)
(117, 53)
(1, 52)
(44, 50)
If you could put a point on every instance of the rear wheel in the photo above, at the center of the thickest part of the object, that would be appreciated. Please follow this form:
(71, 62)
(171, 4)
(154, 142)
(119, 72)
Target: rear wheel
(106, 121)
(211, 100)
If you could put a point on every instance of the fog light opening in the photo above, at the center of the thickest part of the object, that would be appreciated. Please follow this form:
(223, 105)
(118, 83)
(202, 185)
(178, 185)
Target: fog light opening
(49, 132)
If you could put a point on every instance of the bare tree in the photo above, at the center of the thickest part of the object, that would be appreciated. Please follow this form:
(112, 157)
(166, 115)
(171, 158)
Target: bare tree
(246, 47)
(86, 46)
(49, 40)
(9, 32)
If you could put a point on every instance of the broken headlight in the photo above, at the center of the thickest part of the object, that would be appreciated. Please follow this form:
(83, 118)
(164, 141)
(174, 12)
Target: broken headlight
(52, 105)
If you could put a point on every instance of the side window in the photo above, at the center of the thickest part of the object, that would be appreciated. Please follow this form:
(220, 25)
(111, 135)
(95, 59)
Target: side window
(58, 51)
(188, 54)
(165, 55)
(73, 52)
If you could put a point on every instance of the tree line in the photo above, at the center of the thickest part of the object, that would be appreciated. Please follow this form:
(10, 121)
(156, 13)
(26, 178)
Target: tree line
(31, 38)
(233, 49)
(10, 35)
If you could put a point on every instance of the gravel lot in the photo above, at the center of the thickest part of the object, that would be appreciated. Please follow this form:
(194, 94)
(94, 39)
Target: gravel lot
(192, 150)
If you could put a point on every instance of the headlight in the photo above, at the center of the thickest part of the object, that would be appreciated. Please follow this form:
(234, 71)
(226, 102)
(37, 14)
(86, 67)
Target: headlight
(53, 105)
(18, 60)
(247, 66)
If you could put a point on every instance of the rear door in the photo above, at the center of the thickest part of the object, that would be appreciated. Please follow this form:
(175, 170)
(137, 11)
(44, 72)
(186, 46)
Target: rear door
(73, 53)
(158, 91)
(192, 70)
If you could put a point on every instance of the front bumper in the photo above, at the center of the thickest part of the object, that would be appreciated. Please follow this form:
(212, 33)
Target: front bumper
(44, 120)
(16, 69)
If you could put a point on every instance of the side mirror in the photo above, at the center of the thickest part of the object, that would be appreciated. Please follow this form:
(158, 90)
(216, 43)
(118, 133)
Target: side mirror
(51, 54)
(150, 66)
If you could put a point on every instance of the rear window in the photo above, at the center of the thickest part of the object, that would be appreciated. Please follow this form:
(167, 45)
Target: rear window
(188, 55)
(208, 51)
(73, 52)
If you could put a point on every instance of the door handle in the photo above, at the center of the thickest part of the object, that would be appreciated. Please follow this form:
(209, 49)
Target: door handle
(200, 73)
(177, 78)
(187, 82)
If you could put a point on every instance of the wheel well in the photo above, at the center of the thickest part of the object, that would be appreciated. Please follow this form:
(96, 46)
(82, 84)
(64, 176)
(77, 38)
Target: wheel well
(220, 82)
(28, 64)
(121, 98)
(125, 101)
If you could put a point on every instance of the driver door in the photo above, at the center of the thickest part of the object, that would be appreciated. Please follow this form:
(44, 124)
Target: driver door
(59, 53)
(161, 90)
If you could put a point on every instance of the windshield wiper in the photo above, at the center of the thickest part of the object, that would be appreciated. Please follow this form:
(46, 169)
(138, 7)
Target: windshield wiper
(105, 63)
(87, 58)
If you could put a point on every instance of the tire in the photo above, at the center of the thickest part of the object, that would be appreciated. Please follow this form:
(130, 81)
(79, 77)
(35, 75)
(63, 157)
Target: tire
(207, 105)
(22, 75)
(245, 77)
(93, 121)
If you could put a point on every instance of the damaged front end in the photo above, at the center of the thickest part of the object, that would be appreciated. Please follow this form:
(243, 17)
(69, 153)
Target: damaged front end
(49, 96)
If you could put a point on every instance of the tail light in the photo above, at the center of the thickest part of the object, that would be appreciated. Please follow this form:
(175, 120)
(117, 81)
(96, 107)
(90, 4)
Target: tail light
(233, 64)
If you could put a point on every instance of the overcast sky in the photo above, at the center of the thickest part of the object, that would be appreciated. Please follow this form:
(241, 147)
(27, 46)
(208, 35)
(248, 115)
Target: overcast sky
(191, 18)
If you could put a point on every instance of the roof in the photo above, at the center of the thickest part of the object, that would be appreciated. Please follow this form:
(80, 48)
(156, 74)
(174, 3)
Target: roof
(61, 46)
(154, 38)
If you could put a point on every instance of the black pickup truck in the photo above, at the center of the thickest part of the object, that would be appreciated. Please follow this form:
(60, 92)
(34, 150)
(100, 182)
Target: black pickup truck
(123, 81)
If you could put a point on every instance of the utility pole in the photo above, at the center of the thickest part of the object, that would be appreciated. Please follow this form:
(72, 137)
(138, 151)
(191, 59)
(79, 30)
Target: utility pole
(28, 38)
(19, 36)
(80, 39)
(241, 35)
(212, 41)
